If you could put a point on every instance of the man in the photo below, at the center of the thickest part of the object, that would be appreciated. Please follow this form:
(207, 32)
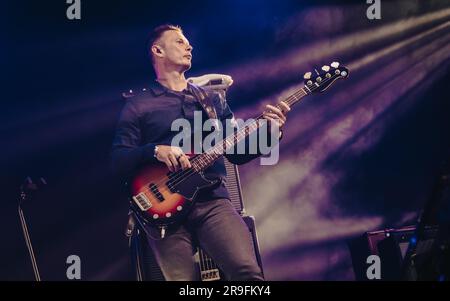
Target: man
(144, 135)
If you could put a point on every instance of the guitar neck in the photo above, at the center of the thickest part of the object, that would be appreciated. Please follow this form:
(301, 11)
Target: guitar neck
(203, 161)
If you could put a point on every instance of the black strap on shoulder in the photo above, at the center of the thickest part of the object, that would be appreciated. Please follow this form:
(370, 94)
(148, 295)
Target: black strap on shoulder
(204, 100)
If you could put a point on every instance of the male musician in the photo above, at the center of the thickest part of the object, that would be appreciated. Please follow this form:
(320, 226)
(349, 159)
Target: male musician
(144, 135)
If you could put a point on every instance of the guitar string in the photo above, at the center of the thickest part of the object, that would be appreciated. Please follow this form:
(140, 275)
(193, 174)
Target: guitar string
(202, 264)
(220, 144)
(186, 173)
(205, 261)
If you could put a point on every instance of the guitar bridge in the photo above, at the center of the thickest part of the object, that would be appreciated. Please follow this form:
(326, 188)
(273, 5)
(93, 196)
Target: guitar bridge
(142, 201)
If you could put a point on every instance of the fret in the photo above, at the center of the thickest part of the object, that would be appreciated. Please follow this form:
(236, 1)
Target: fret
(228, 143)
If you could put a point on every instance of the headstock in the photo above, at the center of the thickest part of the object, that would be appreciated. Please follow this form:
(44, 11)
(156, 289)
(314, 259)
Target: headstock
(320, 81)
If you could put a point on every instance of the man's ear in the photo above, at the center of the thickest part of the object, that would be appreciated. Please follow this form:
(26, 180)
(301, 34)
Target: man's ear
(157, 50)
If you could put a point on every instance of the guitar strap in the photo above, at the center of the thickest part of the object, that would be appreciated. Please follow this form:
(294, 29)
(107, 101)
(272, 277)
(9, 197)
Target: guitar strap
(205, 101)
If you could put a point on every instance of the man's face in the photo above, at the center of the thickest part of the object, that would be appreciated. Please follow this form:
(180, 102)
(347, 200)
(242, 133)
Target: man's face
(175, 49)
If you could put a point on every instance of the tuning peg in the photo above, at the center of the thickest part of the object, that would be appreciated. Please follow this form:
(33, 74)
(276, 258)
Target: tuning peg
(326, 68)
(334, 64)
(307, 75)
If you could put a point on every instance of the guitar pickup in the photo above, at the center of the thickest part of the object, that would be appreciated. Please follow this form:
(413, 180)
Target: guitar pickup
(142, 201)
(154, 189)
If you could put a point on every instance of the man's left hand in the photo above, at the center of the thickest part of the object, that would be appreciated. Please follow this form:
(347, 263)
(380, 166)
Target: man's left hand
(276, 115)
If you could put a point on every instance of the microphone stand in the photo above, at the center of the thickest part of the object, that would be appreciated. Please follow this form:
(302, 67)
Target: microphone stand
(27, 186)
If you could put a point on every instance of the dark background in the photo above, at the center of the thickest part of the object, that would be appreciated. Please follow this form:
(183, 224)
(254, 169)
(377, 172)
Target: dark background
(62, 84)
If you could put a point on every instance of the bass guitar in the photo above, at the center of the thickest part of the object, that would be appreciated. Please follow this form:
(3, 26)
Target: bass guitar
(162, 198)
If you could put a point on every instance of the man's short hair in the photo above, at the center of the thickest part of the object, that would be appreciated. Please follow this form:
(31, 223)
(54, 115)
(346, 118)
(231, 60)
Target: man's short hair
(156, 33)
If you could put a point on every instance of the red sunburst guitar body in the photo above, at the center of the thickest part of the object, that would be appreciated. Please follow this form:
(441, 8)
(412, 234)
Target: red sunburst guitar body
(162, 197)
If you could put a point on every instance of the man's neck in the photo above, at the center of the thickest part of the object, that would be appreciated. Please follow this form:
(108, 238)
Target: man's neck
(173, 80)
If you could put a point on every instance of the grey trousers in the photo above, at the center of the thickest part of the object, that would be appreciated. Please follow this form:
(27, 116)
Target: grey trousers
(220, 231)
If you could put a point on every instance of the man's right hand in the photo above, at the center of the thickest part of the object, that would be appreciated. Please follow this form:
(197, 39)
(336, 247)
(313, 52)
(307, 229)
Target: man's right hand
(173, 157)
